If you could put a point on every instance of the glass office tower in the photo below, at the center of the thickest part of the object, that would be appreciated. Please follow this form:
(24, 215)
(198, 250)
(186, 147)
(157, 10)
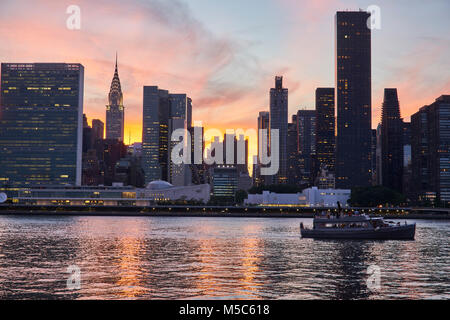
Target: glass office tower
(430, 151)
(325, 128)
(155, 129)
(306, 131)
(41, 123)
(279, 121)
(353, 99)
(391, 141)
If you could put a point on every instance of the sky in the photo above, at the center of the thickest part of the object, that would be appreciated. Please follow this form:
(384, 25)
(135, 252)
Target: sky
(225, 54)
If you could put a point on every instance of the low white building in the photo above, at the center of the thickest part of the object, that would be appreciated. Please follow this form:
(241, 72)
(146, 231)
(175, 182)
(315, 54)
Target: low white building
(311, 197)
(155, 192)
(163, 191)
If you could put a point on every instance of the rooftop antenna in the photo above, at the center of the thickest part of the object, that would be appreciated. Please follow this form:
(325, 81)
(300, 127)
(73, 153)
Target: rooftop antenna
(116, 60)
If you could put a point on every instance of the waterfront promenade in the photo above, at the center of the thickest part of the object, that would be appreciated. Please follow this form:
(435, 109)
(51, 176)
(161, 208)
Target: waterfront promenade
(218, 211)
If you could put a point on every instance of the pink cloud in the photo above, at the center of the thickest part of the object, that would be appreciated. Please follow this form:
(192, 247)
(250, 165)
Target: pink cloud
(159, 43)
(162, 43)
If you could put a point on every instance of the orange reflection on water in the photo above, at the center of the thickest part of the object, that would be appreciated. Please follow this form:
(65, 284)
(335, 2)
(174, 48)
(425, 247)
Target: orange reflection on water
(208, 261)
(250, 266)
(129, 280)
(215, 264)
(130, 251)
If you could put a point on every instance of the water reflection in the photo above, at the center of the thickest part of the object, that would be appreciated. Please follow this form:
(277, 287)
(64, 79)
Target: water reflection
(352, 261)
(173, 258)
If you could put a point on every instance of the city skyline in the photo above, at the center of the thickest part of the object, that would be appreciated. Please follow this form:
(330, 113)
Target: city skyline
(230, 67)
(251, 151)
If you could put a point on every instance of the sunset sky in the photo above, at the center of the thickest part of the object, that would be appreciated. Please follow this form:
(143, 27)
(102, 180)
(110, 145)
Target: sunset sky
(225, 54)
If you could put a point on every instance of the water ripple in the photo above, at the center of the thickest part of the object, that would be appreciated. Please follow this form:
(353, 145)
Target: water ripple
(212, 258)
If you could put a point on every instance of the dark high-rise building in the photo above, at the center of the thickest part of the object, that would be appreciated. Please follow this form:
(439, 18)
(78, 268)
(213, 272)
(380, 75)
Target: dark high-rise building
(225, 180)
(239, 151)
(306, 132)
(88, 139)
(263, 124)
(129, 172)
(420, 149)
(325, 128)
(41, 123)
(353, 99)
(115, 110)
(98, 129)
(378, 171)
(180, 117)
(279, 121)
(373, 157)
(92, 174)
(181, 107)
(430, 150)
(292, 150)
(155, 131)
(198, 168)
(109, 152)
(163, 113)
(391, 142)
(407, 172)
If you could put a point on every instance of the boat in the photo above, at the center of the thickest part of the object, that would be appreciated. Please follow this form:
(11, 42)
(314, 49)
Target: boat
(357, 226)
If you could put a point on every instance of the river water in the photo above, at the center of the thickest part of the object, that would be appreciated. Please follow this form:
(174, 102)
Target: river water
(213, 258)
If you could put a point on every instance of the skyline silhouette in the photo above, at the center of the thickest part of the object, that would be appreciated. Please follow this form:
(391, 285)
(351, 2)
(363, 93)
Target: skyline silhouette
(228, 60)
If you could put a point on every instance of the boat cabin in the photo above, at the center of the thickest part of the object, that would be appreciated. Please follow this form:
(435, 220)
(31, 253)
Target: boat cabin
(359, 221)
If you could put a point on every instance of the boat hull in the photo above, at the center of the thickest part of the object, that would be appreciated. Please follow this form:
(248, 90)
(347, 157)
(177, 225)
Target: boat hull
(405, 232)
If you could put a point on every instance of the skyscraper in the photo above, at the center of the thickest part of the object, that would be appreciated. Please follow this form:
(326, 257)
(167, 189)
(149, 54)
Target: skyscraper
(109, 152)
(407, 173)
(373, 157)
(88, 138)
(430, 149)
(115, 109)
(98, 129)
(239, 151)
(163, 113)
(181, 107)
(378, 162)
(325, 128)
(180, 117)
(279, 121)
(178, 174)
(224, 181)
(155, 128)
(41, 123)
(198, 168)
(306, 130)
(263, 124)
(353, 99)
(391, 141)
(292, 151)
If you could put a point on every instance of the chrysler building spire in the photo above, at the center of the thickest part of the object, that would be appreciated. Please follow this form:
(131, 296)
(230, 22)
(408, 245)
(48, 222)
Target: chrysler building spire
(115, 109)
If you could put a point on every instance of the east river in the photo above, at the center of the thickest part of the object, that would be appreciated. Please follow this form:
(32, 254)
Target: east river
(213, 258)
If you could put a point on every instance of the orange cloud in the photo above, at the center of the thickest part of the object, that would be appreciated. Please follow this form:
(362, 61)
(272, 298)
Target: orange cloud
(162, 43)
(159, 43)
